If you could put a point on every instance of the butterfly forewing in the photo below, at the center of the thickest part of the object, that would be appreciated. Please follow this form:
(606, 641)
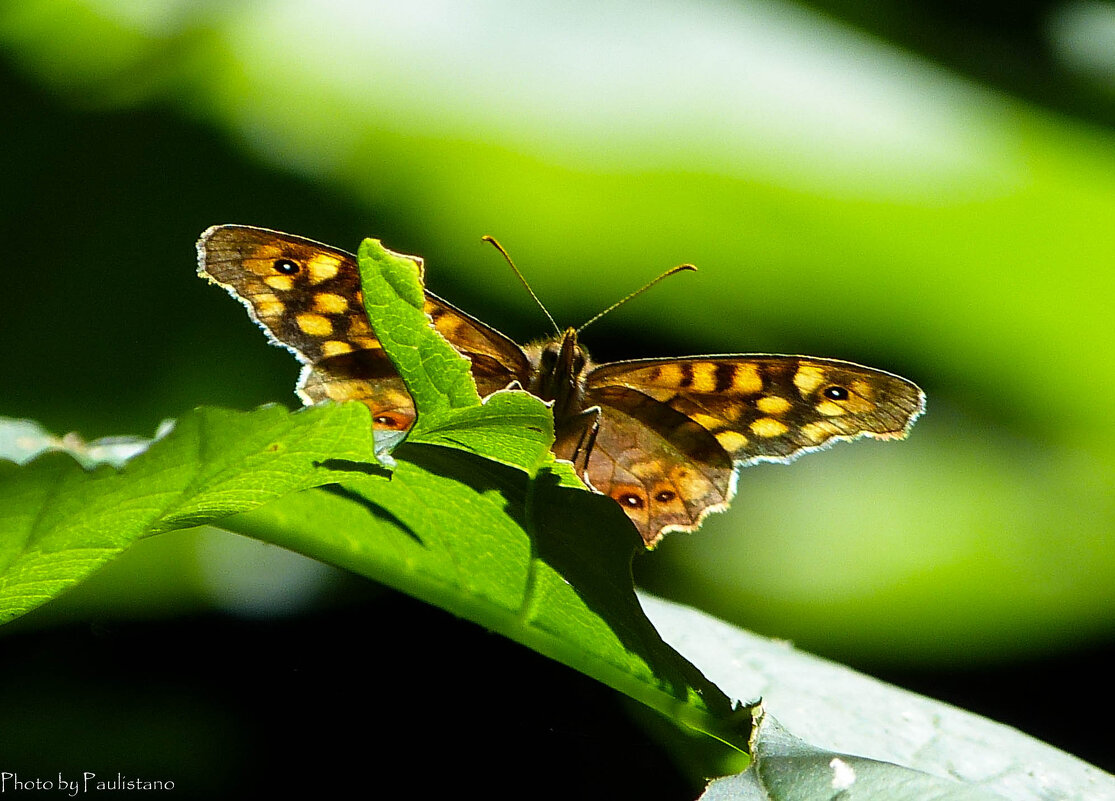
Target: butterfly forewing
(307, 297)
(771, 407)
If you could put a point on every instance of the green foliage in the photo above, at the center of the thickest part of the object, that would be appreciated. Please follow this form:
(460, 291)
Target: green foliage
(60, 521)
(510, 427)
(394, 299)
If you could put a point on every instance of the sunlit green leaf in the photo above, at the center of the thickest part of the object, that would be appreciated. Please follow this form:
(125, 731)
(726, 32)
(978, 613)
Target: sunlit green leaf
(60, 521)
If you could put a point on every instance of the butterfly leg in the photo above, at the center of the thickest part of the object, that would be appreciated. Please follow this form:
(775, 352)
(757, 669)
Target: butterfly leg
(585, 427)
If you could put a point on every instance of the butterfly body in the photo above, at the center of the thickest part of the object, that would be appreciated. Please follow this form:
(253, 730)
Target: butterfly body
(557, 373)
(665, 438)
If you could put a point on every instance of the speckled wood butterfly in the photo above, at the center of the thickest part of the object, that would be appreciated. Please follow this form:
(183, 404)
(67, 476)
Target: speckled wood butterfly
(664, 437)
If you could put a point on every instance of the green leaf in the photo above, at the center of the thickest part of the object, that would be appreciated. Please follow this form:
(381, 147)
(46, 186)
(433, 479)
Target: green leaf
(512, 427)
(830, 732)
(529, 558)
(60, 521)
(434, 372)
(482, 520)
(791, 769)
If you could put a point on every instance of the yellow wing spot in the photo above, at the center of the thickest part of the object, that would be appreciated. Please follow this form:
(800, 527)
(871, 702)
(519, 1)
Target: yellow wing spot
(747, 379)
(341, 390)
(335, 347)
(322, 267)
(733, 441)
(447, 326)
(647, 470)
(820, 430)
(359, 326)
(283, 283)
(314, 325)
(263, 256)
(863, 388)
(858, 405)
(830, 408)
(773, 404)
(808, 378)
(707, 421)
(330, 303)
(704, 377)
(366, 343)
(269, 308)
(733, 412)
(690, 483)
(768, 427)
(669, 375)
(660, 394)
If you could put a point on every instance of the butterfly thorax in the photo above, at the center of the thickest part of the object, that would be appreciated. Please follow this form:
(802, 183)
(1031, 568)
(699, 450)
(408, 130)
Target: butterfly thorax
(559, 366)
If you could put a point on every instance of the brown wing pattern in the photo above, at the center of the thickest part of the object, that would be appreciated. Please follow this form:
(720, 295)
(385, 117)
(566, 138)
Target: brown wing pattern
(673, 432)
(306, 296)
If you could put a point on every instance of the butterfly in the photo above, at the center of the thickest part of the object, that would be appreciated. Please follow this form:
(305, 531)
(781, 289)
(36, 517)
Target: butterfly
(665, 438)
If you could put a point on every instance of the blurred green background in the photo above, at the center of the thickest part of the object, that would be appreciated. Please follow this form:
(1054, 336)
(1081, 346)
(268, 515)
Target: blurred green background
(925, 187)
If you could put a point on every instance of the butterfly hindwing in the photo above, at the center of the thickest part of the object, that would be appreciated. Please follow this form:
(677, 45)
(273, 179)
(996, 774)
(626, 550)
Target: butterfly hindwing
(664, 469)
(708, 416)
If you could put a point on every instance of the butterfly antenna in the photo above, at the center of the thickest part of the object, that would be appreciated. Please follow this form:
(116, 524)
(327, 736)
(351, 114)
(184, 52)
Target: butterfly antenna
(492, 241)
(679, 269)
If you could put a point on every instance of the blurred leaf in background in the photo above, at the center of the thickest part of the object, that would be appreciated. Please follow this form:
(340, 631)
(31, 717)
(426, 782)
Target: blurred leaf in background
(943, 215)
